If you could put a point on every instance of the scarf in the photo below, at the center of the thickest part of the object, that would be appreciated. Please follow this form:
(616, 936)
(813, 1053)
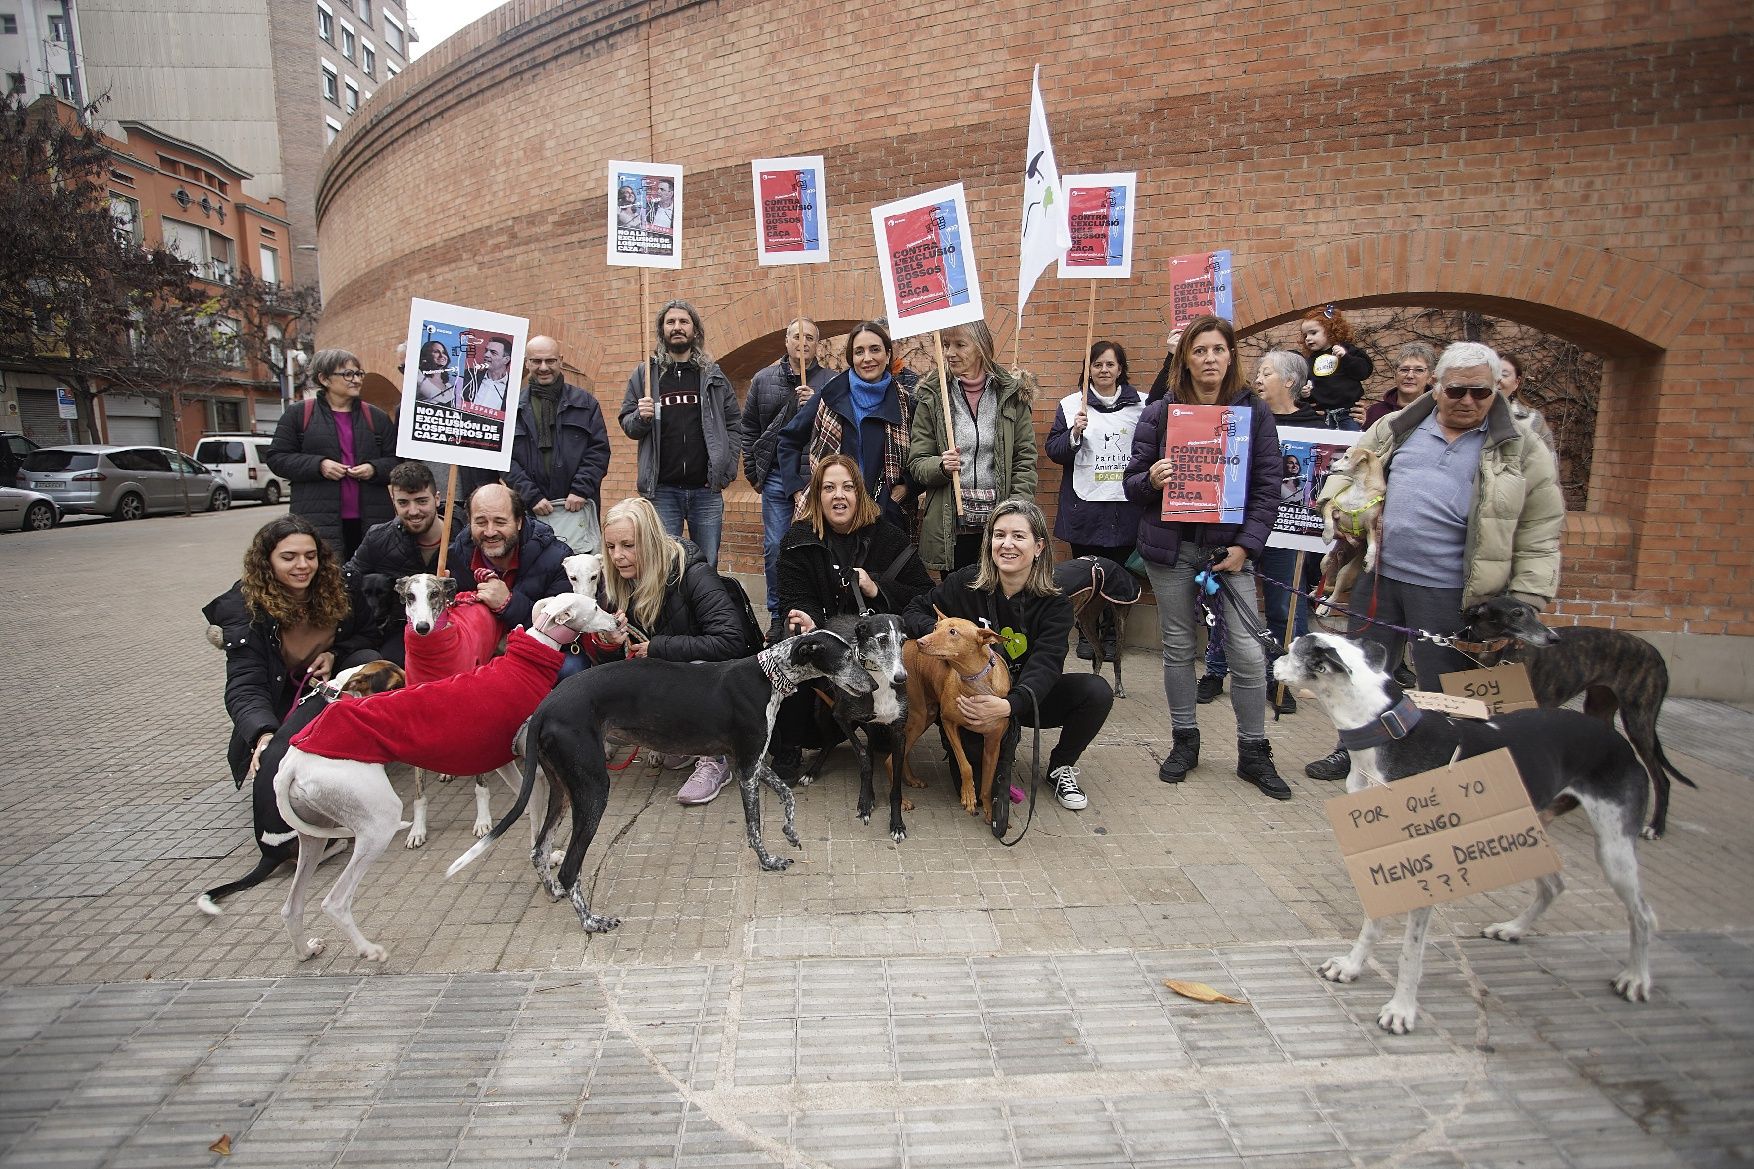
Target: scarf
(825, 440)
(865, 397)
(776, 663)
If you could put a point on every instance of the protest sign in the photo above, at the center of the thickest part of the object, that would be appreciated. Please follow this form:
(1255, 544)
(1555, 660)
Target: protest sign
(1308, 452)
(1209, 449)
(1441, 835)
(461, 385)
(1454, 705)
(791, 210)
(1200, 284)
(645, 215)
(1502, 688)
(1100, 210)
(927, 265)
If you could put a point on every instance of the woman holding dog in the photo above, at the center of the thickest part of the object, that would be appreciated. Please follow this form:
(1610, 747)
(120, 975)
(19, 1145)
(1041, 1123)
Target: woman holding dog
(670, 605)
(1011, 591)
(1204, 373)
(992, 446)
(283, 627)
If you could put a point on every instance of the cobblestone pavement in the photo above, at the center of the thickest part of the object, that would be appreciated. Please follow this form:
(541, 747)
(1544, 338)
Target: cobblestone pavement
(944, 1000)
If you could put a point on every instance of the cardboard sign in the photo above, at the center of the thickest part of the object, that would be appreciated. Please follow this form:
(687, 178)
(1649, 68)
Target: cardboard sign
(645, 215)
(1100, 213)
(1450, 704)
(1209, 447)
(923, 255)
(791, 211)
(1307, 452)
(1441, 835)
(461, 383)
(1502, 688)
(1200, 284)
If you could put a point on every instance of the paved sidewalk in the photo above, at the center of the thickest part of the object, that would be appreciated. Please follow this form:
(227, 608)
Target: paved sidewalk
(941, 1000)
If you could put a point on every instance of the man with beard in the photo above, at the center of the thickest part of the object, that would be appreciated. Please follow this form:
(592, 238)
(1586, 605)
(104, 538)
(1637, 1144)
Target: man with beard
(509, 559)
(396, 548)
(561, 451)
(687, 434)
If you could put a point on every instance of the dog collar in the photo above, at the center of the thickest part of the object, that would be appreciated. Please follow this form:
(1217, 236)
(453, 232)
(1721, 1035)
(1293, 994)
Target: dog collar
(781, 674)
(992, 659)
(561, 635)
(1397, 722)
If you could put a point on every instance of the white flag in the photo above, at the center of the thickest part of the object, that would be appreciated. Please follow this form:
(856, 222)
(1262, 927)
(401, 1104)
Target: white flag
(1046, 233)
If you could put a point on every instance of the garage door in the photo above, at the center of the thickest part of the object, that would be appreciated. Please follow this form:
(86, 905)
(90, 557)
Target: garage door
(130, 431)
(39, 419)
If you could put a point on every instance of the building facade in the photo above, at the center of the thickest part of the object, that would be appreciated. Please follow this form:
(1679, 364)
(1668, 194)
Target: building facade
(38, 54)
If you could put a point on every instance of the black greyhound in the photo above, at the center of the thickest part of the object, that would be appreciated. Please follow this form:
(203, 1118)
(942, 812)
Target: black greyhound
(678, 708)
(876, 639)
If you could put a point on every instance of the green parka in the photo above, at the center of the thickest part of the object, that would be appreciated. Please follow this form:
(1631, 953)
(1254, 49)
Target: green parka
(1013, 461)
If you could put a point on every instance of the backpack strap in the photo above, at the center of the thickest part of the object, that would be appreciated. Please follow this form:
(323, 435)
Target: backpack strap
(310, 409)
(895, 566)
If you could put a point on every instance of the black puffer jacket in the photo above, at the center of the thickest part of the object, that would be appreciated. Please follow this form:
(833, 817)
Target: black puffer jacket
(1036, 629)
(1159, 542)
(259, 689)
(770, 404)
(580, 455)
(698, 621)
(541, 571)
(388, 550)
(298, 451)
(811, 581)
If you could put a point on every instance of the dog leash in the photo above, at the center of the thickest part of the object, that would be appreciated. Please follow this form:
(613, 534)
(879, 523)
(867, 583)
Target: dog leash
(1448, 641)
(1034, 774)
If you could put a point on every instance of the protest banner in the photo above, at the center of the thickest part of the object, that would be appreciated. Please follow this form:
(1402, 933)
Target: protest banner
(1045, 233)
(645, 215)
(791, 210)
(1200, 284)
(1100, 212)
(1308, 452)
(1208, 447)
(460, 391)
(1502, 688)
(1441, 835)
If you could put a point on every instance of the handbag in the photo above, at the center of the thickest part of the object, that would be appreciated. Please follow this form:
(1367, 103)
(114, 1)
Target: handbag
(578, 529)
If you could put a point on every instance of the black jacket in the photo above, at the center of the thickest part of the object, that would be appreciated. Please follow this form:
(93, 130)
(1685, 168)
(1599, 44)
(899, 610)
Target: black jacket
(1159, 542)
(540, 569)
(769, 405)
(259, 689)
(1044, 622)
(387, 549)
(698, 621)
(1341, 389)
(298, 451)
(811, 581)
(580, 455)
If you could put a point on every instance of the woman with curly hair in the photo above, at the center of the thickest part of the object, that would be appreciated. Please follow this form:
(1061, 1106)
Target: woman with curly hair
(283, 627)
(1338, 366)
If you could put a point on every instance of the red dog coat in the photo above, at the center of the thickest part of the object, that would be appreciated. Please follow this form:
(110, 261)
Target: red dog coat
(466, 638)
(461, 725)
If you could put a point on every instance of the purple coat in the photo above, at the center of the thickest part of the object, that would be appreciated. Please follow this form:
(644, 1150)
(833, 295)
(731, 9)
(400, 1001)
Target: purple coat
(1159, 541)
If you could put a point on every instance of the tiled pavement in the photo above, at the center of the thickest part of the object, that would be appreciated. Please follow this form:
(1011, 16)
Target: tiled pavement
(944, 1000)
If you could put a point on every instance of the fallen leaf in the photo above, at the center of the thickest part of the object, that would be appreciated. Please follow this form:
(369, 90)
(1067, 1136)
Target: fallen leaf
(222, 1146)
(1200, 992)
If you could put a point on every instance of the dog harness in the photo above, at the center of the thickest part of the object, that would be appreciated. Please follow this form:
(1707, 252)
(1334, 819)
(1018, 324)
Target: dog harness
(1355, 526)
(1397, 722)
(784, 677)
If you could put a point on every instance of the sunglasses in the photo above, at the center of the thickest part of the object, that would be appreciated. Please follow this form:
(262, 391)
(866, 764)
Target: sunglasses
(1478, 393)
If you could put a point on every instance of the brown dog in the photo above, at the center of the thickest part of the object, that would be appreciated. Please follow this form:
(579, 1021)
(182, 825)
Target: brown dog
(1353, 521)
(955, 659)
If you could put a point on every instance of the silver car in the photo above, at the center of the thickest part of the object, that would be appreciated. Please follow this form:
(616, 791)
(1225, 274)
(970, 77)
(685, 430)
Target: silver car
(27, 511)
(122, 481)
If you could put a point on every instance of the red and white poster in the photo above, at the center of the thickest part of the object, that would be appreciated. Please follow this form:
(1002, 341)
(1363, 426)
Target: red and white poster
(1100, 211)
(1209, 449)
(791, 211)
(1200, 284)
(928, 269)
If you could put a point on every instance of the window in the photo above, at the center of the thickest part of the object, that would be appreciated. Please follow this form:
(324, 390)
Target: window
(365, 11)
(58, 29)
(346, 41)
(352, 98)
(8, 23)
(394, 35)
(64, 85)
(331, 130)
(219, 258)
(225, 335)
(187, 241)
(391, 69)
(15, 82)
(268, 264)
(126, 213)
(368, 58)
(325, 24)
(331, 85)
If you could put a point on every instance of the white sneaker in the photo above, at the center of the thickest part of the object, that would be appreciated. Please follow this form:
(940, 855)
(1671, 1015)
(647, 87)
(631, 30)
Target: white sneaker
(1066, 789)
(705, 781)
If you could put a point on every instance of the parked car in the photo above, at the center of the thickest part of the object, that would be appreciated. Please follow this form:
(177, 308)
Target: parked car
(243, 460)
(27, 511)
(13, 448)
(122, 481)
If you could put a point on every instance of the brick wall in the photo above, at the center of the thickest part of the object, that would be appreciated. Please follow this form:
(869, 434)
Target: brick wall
(1581, 170)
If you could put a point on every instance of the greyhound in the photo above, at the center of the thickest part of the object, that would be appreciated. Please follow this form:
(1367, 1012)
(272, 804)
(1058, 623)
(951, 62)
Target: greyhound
(1611, 668)
(877, 640)
(683, 708)
(1566, 759)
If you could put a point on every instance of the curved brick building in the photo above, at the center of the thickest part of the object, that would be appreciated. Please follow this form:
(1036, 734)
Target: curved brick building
(1584, 174)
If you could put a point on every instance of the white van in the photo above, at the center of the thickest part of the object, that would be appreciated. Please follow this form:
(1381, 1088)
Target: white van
(243, 460)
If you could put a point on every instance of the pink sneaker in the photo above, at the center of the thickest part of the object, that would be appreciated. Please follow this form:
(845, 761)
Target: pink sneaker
(705, 782)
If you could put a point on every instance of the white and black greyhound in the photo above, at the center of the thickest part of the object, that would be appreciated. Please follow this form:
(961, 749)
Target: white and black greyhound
(678, 708)
(1567, 760)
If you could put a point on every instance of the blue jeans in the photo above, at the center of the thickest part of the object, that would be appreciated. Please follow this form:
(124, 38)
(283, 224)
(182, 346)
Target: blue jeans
(1342, 420)
(776, 519)
(1177, 618)
(1280, 564)
(704, 511)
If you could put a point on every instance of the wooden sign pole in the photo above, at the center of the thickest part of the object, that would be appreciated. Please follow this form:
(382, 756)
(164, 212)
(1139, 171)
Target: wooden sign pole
(450, 505)
(949, 428)
(1290, 617)
(1089, 334)
(645, 312)
(803, 366)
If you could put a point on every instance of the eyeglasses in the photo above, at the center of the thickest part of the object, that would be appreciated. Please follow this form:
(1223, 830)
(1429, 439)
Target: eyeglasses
(1413, 369)
(351, 375)
(1478, 393)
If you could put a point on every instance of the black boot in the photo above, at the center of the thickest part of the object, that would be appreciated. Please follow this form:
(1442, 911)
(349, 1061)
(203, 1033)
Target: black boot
(1184, 756)
(1083, 650)
(1254, 762)
(1335, 765)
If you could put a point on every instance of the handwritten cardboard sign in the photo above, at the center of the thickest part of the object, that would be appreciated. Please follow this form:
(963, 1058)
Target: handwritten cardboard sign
(1450, 704)
(1502, 688)
(1441, 835)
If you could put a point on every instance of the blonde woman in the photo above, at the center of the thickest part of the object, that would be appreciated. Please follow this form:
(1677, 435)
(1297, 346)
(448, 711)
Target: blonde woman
(670, 605)
(992, 444)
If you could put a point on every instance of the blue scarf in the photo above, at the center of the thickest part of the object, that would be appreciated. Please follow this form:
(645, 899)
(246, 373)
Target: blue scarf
(865, 398)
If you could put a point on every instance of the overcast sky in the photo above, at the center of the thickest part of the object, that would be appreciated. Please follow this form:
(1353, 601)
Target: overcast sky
(437, 19)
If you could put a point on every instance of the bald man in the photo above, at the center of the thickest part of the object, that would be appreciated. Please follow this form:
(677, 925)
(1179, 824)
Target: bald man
(561, 449)
(509, 558)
